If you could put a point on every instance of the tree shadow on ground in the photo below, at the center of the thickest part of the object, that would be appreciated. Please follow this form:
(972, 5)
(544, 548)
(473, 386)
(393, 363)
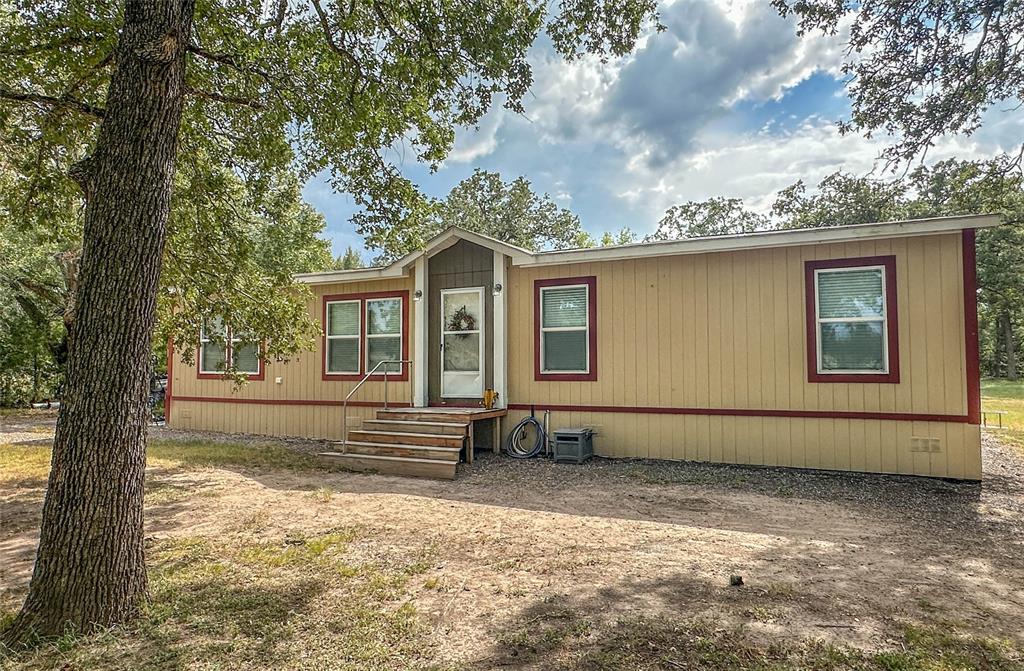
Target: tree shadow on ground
(685, 623)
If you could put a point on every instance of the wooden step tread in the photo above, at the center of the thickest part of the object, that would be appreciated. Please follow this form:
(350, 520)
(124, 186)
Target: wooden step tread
(417, 447)
(403, 434)
(413, 422)
(440, 452)
(401, 466)
(379, 457)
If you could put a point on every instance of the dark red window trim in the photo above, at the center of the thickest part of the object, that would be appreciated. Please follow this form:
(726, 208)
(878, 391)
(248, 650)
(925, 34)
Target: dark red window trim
(892, 320)
(591, 376)
(362, 298)
(261, 375)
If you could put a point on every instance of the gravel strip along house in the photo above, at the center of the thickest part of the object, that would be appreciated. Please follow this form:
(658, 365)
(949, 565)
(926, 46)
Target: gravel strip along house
(845, 348)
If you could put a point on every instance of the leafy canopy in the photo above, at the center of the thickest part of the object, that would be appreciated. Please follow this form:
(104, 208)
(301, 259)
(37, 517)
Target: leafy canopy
(277, 89)
(921, 68)
(715, 216)
(484, 203)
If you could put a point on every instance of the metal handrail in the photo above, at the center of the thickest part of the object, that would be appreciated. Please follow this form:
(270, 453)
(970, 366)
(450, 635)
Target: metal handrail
(344, 404)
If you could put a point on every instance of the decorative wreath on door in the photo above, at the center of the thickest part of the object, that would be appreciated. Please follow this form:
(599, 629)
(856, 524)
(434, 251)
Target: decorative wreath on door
(461, 321)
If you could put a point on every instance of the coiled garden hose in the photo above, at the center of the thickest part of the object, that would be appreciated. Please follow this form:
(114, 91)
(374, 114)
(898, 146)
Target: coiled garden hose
(516, 445)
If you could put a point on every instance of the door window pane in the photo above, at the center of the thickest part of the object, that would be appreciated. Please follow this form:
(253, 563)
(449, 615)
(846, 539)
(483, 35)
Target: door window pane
(462, 311)
(462, 352)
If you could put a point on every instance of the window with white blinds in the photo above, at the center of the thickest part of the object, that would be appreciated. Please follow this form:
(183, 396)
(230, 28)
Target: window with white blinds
(343, 341)
(384, 333)
(565, 329)
(213, 347)
(851, 316)
(219, 344)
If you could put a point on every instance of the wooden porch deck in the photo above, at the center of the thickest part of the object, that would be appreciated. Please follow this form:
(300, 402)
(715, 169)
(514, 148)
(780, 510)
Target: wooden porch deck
(454, 414)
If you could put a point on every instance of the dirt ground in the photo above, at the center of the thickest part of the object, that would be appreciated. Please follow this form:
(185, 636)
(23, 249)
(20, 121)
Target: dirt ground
(844, 558)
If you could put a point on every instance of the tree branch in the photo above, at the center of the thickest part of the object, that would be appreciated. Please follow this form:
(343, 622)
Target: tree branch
(226, 99)
(50, 101)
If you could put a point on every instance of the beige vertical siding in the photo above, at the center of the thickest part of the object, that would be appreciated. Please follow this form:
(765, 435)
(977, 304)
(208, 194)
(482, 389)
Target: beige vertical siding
(688, 334)
(728, 331)
(275, 411)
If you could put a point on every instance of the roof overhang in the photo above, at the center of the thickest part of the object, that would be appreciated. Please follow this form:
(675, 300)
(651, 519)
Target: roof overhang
(721, 243)
(766, 239)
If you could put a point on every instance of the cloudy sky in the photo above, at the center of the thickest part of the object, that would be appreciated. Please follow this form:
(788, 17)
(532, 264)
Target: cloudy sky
(726, 102)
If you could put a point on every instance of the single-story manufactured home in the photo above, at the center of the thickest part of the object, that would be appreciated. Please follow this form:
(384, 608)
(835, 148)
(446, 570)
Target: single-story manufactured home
(845, 348)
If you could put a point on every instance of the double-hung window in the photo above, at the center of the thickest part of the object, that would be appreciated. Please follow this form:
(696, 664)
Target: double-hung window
(852, 320)
(566, 345)
(361, 331)
(219, 344)
(384, 333)
(343, 337)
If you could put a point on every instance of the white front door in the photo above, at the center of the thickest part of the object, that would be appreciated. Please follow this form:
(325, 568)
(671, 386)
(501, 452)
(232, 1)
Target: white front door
(462, 343)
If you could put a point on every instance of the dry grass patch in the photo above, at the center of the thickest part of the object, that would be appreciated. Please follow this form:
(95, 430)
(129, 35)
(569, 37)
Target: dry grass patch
(560, 638)
(28, 464)
(296, 603)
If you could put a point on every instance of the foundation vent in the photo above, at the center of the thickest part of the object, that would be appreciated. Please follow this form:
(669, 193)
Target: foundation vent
(922, 444)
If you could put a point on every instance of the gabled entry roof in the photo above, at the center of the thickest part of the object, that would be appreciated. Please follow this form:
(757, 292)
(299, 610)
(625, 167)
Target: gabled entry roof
(721, 243)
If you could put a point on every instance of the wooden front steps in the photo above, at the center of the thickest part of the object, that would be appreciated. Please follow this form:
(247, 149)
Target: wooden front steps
(407, 466)
(407, 426)
(405, 445)
(405, 438)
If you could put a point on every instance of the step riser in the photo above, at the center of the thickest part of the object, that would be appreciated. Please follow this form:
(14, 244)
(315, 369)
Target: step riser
(396, 451)
(382, 425)
(404, 439)
(438, 470)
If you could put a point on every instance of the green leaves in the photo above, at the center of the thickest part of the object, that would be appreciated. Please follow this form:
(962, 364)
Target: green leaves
(275, 93)
(715, 216)
(922, 68)
(508, 211)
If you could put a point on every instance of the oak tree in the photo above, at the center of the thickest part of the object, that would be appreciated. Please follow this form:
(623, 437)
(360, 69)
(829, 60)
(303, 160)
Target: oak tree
(121, 93)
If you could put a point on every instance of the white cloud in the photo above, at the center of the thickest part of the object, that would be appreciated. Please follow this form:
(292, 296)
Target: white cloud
(755, 166)
(473, 143)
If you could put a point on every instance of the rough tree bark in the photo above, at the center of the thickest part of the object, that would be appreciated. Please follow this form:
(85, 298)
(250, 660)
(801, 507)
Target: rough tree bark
(1006, 326)
(90, 570)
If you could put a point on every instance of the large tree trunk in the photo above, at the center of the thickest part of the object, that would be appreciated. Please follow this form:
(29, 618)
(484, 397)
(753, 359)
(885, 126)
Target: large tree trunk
(1006, 327)
(90, 570)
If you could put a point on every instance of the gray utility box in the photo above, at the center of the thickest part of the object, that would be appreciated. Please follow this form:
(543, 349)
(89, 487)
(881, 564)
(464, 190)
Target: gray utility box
(573, 446)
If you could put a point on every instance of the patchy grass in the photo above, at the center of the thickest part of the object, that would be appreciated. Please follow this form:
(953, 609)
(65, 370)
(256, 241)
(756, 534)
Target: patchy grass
(24, 463)
(30, 463)
(226, 604)
(564, 639)
(1007, 396)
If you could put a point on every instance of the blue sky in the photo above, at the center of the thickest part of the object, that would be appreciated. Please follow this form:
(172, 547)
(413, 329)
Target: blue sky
(728, 101)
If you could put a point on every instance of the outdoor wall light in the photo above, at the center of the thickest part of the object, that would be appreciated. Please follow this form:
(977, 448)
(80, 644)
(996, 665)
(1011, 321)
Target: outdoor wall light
(416, 295)
(497, 289)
